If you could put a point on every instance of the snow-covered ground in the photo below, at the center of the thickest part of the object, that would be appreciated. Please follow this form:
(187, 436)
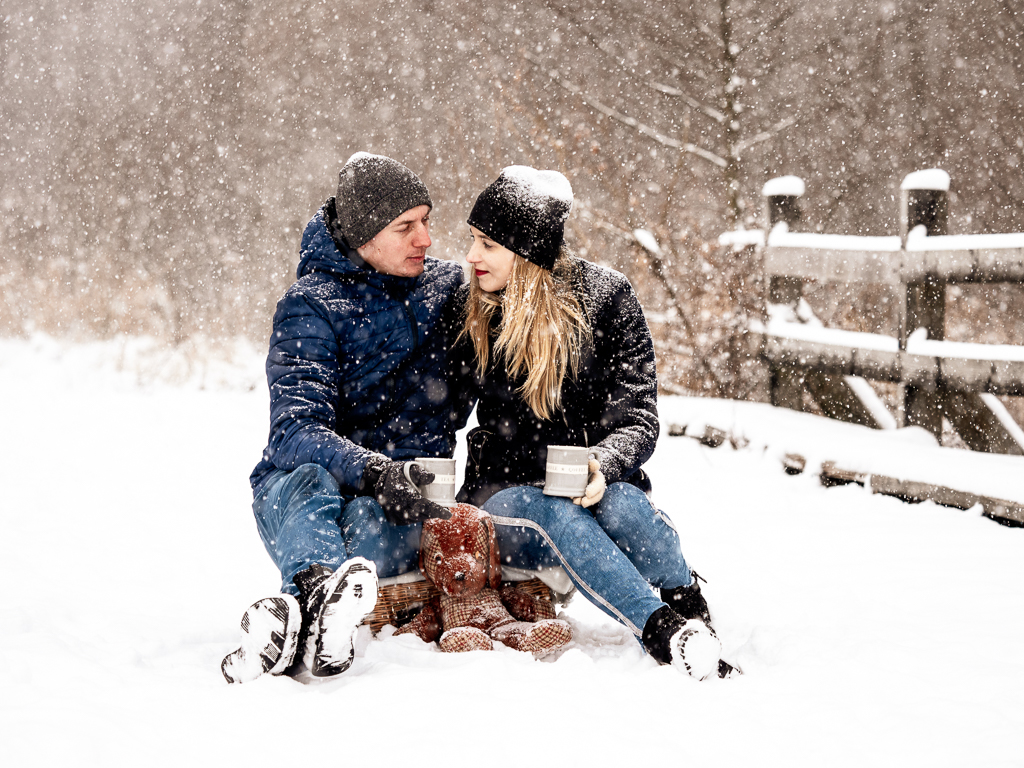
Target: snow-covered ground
(872, 632)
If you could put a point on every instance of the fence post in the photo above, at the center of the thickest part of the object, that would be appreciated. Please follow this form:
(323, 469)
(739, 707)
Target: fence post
(782, 195)
(924, 202)
(782, 206)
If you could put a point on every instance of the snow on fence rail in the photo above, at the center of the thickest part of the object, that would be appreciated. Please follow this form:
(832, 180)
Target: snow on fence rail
(936, 378)
(925, 363)
(993, 258)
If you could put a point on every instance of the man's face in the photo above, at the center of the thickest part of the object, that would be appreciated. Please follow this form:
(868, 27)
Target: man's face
(399, 248)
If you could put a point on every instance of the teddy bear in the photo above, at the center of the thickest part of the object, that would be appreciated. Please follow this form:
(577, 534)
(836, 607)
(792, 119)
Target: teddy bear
(459, 556)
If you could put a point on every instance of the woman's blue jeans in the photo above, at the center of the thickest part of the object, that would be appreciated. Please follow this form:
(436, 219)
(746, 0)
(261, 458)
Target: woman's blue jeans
(614, 552)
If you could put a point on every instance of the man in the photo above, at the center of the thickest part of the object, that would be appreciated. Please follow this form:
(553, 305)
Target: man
(357, 388)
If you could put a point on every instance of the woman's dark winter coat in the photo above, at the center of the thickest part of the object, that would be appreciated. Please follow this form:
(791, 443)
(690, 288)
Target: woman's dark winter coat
(611, 405)
(356, 362)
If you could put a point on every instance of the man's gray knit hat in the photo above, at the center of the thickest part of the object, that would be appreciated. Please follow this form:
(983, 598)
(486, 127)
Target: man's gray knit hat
(373, 191)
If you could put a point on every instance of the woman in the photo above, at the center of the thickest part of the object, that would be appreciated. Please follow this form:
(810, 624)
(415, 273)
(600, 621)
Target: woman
(556, 351)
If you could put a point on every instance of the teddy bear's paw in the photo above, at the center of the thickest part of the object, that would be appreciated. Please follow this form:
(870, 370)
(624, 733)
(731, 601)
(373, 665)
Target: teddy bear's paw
(465, 639)
(546, 636)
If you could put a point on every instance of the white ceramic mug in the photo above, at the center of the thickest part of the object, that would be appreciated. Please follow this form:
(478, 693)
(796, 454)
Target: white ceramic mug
(442, 490)
(567, 471)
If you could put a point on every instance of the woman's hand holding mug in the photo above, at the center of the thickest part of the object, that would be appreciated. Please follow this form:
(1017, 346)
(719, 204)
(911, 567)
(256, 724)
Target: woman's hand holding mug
(595, 485)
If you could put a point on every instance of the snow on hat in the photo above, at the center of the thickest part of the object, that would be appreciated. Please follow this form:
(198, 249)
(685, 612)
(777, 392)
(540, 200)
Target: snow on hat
(525, 211)
(373, 191)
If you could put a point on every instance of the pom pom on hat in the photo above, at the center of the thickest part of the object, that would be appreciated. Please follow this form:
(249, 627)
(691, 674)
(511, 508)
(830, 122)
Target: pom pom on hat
(525, 210)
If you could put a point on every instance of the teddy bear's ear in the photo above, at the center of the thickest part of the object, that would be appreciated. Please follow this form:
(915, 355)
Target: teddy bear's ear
(493, 560)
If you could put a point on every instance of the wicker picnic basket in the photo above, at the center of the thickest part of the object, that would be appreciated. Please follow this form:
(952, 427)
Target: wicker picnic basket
(398, 604)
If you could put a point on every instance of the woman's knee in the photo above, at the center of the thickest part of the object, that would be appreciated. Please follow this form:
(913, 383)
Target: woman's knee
(529, 503)
(624, 504)
(627, 492)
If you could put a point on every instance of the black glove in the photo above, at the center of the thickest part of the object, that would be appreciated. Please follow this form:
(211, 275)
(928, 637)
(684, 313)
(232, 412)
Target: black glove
(397, 494)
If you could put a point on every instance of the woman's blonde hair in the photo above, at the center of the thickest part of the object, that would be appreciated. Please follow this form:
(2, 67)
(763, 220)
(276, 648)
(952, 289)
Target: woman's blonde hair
(542, 334)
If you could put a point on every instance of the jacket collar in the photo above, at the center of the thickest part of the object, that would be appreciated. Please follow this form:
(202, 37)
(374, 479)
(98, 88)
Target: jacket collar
(321, 252)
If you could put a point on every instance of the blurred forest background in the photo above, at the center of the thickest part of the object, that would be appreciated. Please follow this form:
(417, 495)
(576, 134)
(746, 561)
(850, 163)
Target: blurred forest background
(159, 159)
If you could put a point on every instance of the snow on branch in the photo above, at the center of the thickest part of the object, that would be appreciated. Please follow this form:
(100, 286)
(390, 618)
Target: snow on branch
(632, 122)
(647, 241)
(644, 238)
(669, 90)
(746, 144)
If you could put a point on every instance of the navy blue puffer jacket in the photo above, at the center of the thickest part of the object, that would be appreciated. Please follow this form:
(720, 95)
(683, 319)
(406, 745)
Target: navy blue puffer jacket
(356, 363)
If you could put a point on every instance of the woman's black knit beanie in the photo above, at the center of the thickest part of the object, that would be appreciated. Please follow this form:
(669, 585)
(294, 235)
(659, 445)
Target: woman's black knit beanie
(373, 191)
(525, 211)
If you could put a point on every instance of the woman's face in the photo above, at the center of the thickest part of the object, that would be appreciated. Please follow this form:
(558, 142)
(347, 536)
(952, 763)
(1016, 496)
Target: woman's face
(492, 263)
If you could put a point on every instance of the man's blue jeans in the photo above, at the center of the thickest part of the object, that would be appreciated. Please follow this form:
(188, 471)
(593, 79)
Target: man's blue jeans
(614, 552)
(299, 517)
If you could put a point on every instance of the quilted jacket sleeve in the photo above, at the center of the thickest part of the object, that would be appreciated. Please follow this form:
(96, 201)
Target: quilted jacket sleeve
(303, 371)
(629, 411)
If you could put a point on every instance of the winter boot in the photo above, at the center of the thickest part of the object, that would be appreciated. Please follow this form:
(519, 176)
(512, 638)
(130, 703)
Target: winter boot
(334, 603)
(270, 634)
(688, 602)
(687, 644)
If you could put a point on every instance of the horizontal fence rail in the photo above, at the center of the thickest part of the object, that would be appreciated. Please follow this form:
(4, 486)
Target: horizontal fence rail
(956, 259)
(937, 380)
(999, 377)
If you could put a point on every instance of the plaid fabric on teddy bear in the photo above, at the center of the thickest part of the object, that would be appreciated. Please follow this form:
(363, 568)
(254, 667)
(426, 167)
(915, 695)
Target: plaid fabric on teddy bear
(460, 558)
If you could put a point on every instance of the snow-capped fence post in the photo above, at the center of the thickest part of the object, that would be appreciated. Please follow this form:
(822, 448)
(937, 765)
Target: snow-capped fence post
(782, 195)
(782, 206)
(924, 198)
(924, 203)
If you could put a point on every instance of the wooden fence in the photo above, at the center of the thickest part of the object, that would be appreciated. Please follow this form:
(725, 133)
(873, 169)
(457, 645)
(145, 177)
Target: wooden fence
(935, 378)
